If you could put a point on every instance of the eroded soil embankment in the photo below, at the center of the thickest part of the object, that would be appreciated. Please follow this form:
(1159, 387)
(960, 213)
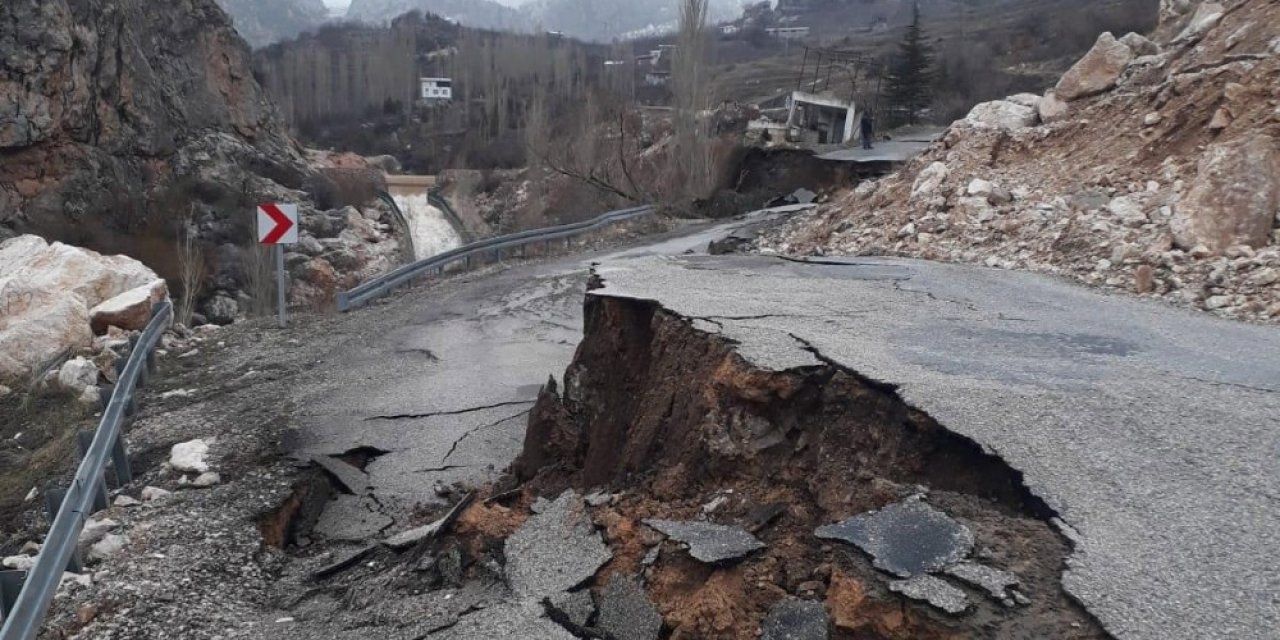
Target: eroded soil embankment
(683, 428)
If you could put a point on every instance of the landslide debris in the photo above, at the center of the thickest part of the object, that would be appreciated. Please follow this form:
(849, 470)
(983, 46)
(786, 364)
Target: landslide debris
(1152, 167)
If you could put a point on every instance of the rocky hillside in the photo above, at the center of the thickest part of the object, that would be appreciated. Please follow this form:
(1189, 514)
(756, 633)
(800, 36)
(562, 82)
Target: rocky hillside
(104, 105)
(1152, 167)
(126, 125)
(263, 22)
(595, 20)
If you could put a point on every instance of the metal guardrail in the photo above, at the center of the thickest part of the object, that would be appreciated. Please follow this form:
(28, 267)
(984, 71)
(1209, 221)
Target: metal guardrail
(381, 285)
(25, 596)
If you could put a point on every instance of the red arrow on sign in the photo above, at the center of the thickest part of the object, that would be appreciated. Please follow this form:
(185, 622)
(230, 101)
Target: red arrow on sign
(283, 223)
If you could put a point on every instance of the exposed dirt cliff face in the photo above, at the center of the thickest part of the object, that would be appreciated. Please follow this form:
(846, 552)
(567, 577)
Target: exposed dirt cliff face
(679, 426)
(116, 116)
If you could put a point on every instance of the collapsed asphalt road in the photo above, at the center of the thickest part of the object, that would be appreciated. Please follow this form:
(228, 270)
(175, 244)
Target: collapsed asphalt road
(441, 392)
(1152, 433)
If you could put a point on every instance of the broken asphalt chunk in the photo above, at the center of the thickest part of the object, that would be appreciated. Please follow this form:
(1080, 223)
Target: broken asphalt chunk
(707, 542)
(349, 478)
(352, 518)
(555, 550)
(626, 612)
(994, 581)
(934, 591)
(571, 610)
(412, 537)
(795, 619)
(908, 538)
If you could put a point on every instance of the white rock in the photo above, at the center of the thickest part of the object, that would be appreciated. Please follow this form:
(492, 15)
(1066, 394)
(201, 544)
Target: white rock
(126, 501)
(49, 289)
(178, 393)
(1002, 114)
(95, 529)
(1207, 15)
(908, 229)
(206, 479)
(189, 457)
(1152, 119)
(77, 374)
(90, 397)
(930, 178)
(1052, 108)
(108, 546)
(980, 187)
(31, 495)
(151, 494)
(130, 310)
(18, 563)
(1264, 278)
(82, 579)
(4, 391)
(1128, 210)
(1217, 302)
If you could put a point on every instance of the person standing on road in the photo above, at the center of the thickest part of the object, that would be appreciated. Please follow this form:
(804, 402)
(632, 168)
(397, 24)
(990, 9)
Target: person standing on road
(867, 129)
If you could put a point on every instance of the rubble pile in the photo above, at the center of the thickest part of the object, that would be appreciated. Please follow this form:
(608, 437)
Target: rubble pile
(1152, 167)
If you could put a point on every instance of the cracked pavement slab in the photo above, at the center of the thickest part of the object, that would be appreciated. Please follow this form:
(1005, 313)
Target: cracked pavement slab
(906, 538)
(935, 591)
(708, 542)
(1152, 432)
(555, 550)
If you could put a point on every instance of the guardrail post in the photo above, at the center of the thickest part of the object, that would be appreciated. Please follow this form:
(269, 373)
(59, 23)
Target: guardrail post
(567, 243)
(466, 262)
(10, 587)
(53, 498)
(343, 303)
(104, 395)
(83, 440)
(120, 462)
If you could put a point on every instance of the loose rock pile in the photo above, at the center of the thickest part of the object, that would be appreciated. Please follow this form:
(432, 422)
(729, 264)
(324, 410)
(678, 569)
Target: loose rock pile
(1150, 168)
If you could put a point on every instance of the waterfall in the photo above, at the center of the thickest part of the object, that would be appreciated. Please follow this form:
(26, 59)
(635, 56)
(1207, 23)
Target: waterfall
(428, 227)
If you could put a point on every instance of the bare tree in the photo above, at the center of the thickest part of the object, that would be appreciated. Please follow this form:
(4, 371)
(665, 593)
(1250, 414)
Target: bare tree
(191, 268)
(693, 154)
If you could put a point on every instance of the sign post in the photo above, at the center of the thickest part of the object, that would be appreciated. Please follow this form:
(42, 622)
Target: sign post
(278, 226)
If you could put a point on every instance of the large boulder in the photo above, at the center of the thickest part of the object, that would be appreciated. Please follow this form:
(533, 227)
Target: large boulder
(1234, 198)
(1003, 114)
(130, 310)
(1052, 108)
(46, 291)
(1097, 71)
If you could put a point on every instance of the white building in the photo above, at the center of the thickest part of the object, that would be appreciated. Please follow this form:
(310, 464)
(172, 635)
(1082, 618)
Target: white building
(436, 89)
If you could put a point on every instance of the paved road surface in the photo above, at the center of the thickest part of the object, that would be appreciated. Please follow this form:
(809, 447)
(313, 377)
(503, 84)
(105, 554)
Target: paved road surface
(1154, 432)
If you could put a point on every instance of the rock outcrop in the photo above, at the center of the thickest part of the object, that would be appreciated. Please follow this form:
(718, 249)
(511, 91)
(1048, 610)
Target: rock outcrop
(1165, 186)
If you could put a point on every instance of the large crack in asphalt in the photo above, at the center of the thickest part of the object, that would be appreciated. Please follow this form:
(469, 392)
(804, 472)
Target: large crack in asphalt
(451, 412)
